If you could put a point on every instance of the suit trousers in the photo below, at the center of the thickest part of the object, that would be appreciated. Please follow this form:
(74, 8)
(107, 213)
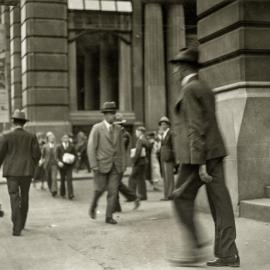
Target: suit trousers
(168, 178)
(137, 181)
(126, 192)
(220, 206)
(18, 189)
(109, 181)
(51, 177)
(66, 176)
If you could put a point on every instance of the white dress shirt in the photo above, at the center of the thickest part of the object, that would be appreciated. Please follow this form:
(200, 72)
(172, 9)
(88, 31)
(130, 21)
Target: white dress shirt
(187, 78)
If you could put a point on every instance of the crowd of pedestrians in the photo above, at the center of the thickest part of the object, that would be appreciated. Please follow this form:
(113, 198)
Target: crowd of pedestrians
(194, 150)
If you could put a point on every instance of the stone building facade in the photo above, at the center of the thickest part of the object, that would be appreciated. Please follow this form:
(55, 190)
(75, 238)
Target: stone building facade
(64, 58)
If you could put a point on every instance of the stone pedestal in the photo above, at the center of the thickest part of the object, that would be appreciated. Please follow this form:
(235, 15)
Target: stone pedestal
(15, 58)
(125, 90)
(235, 46)
(45, 65)
(176, 40)
(154, 66)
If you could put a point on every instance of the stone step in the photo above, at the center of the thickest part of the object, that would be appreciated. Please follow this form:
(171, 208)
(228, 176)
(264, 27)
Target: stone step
(258, 209)
(267, 191)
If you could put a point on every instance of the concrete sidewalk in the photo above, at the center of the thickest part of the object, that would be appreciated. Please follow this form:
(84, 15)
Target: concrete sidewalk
(60, 236)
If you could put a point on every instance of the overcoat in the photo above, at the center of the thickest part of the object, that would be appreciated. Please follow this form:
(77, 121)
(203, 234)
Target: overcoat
(198, 137)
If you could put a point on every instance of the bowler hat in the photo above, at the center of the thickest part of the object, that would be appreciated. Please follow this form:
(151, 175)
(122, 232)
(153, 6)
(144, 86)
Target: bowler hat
(19, 115)
(187, 55)
(119, 119)
(109, 106)
(165, 120)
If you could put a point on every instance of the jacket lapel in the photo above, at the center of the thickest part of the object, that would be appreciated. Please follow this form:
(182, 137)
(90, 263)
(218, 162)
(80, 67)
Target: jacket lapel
(106, 132)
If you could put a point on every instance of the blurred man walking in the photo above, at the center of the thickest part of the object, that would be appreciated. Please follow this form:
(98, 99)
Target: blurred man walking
(200, 151)
(20, 152)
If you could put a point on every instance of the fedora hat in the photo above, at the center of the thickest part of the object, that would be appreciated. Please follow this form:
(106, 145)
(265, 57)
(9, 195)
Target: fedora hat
(19, 115)
(165, 120)
(141, 128)
(109, 106)
(119, 119)
(186, 55)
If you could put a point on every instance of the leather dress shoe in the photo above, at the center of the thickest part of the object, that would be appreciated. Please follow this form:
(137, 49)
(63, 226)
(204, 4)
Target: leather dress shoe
(136, 204)
(92, 214)
(16, 233)
(221, 262)
(111, 221)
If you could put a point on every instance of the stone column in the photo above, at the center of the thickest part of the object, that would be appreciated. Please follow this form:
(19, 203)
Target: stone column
(89, 87)
(235, 46)
(154, 66)
(176, 40)
(45, 65)
(125, 91)
(15, 58)
(105, 75)
(72, 68)
(5, 19)
(137, 60)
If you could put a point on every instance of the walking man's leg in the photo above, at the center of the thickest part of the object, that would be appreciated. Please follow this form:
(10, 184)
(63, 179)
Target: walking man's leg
(222, 212)
(113, 186)
(62, 182)
(14, 194)
(24, 187)
(100, 183)
(70, 183)
(54, 171)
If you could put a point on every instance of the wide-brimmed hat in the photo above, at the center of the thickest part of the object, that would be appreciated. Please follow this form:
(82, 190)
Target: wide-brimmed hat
(19, 115)
(119, 119)
(109, 106)
(165, 120)
(186, 55)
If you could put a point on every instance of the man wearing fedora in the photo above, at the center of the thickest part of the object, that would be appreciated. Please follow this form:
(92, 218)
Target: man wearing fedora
(200, 151)
(106, 153)
(123, 189)
(167, 157)
(19, 153)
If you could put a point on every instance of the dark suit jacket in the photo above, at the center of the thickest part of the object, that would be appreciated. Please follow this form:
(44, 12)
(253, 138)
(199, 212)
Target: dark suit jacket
(198, 137)
(61, 151)
(49, 160)
(166, 150)
(20, 153)
(103, 151)
(140, 144)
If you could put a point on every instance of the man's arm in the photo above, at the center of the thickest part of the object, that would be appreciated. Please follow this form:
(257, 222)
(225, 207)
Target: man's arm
(196, 127)
(3, 149)
(36, 153)
(197, 123)
(139, 146)
(92, 148)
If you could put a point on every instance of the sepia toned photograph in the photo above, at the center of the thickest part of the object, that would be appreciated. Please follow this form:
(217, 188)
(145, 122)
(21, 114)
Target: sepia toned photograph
(134, 134)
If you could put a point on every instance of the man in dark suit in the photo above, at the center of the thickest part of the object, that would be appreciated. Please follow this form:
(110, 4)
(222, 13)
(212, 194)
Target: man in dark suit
(20, 153)
(123, 189)
(66, 159)
(106, 153)
(200, 151)
(138, 158)
(167, 157)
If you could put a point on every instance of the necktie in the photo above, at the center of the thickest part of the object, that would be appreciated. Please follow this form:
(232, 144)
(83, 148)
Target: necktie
(111, 132)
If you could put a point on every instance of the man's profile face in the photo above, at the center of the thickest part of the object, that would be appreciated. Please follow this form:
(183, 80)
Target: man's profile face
(109, 117)
(65, 139)
(138, 133)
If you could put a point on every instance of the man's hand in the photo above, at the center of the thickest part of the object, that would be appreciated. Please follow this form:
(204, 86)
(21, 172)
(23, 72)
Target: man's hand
(95, 170)
(60, 164)
(205, 177)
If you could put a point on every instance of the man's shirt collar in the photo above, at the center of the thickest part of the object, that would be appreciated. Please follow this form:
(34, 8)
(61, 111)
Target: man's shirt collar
(107, 124)
(187, 78)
